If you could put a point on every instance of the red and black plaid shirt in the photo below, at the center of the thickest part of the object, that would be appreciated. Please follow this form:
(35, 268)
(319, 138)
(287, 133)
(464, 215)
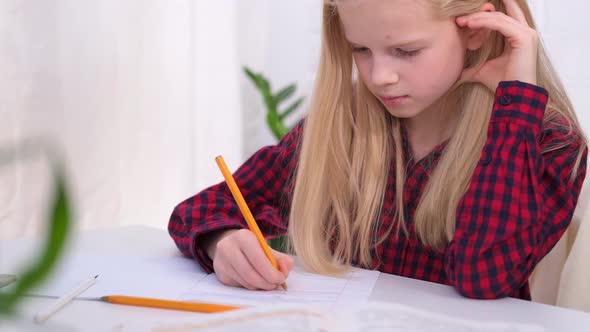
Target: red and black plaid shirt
(519, 203)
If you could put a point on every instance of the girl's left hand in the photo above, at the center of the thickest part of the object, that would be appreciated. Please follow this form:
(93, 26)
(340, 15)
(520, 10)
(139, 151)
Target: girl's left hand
(519, 59)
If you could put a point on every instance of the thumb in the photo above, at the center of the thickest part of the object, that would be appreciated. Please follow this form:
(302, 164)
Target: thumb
(286, 262)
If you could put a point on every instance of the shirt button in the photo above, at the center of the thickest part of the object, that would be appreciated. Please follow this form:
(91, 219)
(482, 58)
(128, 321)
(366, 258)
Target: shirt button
(505, 100)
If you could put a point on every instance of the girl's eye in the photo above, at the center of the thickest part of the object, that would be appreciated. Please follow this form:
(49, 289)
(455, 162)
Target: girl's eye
(405, 53)
(359, 49)
(400, 52)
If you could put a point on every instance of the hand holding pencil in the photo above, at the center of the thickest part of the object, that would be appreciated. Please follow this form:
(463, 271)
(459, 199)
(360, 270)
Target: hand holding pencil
(242, 257)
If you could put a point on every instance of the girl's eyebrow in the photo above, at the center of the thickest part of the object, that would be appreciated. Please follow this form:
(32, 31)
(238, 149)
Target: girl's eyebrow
(398, 45)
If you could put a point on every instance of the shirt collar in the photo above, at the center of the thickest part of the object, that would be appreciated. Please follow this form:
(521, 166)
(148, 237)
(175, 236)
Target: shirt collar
(432, 156)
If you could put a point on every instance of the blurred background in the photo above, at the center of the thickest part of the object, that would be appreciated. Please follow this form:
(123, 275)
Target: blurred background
(141, 95)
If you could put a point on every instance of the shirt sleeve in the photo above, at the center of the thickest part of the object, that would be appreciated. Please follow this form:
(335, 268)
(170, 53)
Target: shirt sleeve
(263, 179)
(520, 200)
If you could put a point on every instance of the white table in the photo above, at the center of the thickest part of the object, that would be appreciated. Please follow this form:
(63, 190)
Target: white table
(152, 242)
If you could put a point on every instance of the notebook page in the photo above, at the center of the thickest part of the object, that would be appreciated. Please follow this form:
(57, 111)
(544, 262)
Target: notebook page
(285, 318)
(391, 317)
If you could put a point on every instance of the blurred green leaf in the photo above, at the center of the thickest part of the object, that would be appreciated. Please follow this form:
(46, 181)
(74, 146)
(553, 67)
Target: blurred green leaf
(259, 80)
(278, 243)
(59, 226)
(276, 125)
(292, 108)
(285, 93)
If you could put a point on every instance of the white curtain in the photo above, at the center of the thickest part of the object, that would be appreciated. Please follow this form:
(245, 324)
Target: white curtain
(140, 95)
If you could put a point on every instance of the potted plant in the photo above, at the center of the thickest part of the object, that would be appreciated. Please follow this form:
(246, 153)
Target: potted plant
(275, 120)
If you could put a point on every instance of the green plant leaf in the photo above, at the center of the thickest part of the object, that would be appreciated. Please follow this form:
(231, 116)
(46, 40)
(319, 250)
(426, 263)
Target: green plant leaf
(58, 231)
(291, 108)
(271, 106)
(275, 124)
(250, 74)
(285, 93)
(273, 118)
(278, 243)
(260, 81)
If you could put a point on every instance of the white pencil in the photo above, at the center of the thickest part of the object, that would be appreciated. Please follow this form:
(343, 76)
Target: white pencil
(7, 279)
(42, 316)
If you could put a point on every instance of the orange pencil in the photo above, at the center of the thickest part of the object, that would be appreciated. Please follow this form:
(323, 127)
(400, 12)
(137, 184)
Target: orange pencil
(167, 304)
(235, 191)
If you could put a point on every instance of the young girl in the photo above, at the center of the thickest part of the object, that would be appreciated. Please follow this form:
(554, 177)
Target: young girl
(439, 145)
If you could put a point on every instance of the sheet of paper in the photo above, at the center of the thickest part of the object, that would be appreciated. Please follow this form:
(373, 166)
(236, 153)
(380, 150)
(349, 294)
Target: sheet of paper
(303, 288)
(287, 318)
(380, 316)
(180, 278)
(368, 317)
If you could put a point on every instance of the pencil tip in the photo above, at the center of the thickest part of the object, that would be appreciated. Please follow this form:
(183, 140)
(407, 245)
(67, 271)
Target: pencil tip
(96, 276)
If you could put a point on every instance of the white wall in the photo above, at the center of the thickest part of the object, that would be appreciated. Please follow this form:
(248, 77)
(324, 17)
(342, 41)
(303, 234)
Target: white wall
(564, 26)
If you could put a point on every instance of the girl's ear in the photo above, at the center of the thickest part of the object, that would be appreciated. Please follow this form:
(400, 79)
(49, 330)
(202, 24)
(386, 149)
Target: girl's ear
(476, 37)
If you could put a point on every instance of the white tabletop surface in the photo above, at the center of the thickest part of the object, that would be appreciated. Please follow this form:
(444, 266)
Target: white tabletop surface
(152, 242)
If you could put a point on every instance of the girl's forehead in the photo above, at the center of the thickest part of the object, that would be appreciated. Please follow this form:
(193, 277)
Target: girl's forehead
(415, 6)
(391, 12)
(385, 18)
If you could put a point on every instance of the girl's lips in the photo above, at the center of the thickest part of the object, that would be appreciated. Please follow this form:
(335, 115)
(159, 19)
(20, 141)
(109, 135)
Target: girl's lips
(393, 101)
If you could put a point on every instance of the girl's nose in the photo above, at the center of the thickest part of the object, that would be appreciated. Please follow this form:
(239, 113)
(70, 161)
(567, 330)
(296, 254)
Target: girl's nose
(384, 73)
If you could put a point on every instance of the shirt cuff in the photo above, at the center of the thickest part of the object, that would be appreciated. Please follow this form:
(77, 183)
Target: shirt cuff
(199, 252)
(520, 103)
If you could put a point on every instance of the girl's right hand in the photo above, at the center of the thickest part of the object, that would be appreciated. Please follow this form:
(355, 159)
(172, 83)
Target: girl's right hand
(239, 261)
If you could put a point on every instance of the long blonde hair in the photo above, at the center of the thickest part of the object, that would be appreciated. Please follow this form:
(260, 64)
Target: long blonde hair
(350, 141)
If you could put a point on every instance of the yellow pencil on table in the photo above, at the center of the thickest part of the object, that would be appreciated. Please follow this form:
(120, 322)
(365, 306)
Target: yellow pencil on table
(235, 191)
(167, 304)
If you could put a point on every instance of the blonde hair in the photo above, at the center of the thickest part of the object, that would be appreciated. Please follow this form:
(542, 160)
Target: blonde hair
(350, 141)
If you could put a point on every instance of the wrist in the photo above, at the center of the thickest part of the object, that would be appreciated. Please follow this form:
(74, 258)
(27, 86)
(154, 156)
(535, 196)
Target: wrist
(210, 241)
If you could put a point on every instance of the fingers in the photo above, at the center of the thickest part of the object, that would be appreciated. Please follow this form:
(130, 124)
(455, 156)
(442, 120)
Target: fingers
(514, 11)
(286, 263)
(256, 257)
(230, 277)
(252, 278)
(517, 34)
(491, 20)
(240, 261)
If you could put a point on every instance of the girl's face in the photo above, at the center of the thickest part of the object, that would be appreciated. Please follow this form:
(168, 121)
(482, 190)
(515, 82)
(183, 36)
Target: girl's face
(402, 50)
